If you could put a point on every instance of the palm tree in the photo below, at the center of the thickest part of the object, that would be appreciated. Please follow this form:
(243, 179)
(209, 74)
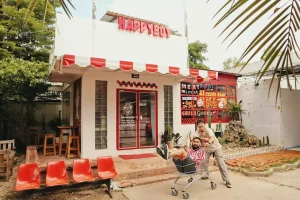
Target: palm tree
(277, 37)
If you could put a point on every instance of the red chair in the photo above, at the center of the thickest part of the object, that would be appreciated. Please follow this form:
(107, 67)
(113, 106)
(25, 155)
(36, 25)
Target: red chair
(82, 171)
(106, 170)
(56, 174)
(28, 177)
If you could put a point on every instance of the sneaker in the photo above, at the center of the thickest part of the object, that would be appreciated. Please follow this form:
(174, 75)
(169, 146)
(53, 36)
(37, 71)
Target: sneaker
(204, 177)
(166, 152)
(160, 152)
(228, 184)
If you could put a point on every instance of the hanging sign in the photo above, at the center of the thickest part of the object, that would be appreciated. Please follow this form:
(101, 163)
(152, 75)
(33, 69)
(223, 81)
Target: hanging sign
(136, 25)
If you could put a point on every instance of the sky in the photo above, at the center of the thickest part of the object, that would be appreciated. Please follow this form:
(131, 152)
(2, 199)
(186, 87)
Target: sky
(171, 12)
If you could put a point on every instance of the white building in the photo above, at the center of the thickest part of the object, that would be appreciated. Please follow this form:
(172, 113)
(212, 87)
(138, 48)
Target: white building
(124, 77)
(263, 116)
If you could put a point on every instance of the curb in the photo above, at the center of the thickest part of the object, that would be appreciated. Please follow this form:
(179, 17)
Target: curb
(270, 172)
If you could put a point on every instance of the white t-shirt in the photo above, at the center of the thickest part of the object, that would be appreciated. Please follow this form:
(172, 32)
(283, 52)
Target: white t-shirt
(208, 133)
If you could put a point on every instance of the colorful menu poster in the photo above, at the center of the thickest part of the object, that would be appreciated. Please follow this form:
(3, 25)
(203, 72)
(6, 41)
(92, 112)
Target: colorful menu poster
(186, 88)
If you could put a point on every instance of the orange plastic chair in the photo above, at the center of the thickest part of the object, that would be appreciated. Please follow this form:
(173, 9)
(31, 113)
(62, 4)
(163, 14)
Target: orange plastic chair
(82, 171)
(106, 167)
(106, 170)
(28, 177)
(56, 174)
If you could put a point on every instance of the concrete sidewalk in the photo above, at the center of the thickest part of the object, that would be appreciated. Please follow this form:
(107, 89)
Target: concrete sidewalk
(243, 188)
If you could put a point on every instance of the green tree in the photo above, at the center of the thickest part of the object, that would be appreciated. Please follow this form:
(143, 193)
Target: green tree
(232, 63)
(196, 57)
(26, 41)
(20, 84)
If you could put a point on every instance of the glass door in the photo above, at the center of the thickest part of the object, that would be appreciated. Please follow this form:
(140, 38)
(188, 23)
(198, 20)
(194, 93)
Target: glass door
(137, 119)
(147, 119)
(127, 119)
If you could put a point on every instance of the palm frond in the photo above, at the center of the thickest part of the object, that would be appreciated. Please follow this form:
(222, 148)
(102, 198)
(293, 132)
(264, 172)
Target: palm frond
(277, 37)
(65, 4)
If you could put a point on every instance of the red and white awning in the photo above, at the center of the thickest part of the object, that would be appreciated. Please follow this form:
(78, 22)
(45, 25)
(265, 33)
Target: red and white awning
(68, 60)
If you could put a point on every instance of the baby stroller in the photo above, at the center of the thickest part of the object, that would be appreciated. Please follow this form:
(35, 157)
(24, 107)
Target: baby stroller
(187, 168)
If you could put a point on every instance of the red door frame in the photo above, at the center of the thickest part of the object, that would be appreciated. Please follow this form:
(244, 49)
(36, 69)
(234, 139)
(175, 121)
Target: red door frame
(138, 122)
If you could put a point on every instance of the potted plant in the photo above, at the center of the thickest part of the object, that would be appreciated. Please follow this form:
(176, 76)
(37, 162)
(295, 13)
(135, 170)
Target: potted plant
(235, 110)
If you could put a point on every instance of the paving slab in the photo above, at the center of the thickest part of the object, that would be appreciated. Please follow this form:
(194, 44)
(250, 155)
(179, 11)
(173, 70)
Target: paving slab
(289, 179)
(243, 188)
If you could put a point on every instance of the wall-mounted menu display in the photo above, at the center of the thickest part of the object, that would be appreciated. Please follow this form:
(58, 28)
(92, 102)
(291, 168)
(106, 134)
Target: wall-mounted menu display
(186, 88)
(198, 99)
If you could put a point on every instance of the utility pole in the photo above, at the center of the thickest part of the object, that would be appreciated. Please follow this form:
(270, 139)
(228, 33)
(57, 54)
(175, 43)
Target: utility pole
(186, 33)
(94, 16)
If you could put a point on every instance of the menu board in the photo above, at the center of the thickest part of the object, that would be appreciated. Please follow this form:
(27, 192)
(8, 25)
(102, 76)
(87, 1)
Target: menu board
(186, 88)
(188, 102)
(198, 100)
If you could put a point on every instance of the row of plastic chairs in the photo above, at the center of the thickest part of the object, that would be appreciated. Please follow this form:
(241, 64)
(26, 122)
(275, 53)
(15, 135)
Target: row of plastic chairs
(29, 174)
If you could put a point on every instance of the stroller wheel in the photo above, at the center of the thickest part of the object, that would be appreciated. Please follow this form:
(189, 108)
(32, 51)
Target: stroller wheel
(185, 195)
(190, 180)
(174, 192)
(213, 186)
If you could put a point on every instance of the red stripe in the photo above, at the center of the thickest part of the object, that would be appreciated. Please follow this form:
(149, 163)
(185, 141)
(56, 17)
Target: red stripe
(125, 65)
(151, 68)
(212, 74)
(68, 60)
(194, 72)
(174, 70)
(98, 62)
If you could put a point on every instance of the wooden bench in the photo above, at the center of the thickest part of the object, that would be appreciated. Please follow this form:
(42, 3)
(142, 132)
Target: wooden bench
(7, 144)
(7, 158)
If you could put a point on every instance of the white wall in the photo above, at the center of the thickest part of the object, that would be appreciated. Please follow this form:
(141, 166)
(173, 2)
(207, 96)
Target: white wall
(88, 110)
(75, 37)
(290, 116)
(263, 117)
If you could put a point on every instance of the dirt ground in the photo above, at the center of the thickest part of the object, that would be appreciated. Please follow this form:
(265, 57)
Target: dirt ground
(85, 191)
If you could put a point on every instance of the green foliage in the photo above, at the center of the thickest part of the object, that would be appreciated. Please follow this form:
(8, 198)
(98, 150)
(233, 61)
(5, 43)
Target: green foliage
(209, 119)
(277, 37)
(268, 141)
(219, 127)
(232, 63)
(196, 57)
(235, 110)
(22, 80)
(26, 41)
(259, 143)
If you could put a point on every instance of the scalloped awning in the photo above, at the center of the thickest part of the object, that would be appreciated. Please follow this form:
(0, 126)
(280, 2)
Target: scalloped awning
(68, 60)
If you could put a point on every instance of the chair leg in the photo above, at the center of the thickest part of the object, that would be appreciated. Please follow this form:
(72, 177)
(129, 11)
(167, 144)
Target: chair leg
(54, 145)
(68, 146)
(107, 182)
(60, 143)
(45, 144)
(78, 148)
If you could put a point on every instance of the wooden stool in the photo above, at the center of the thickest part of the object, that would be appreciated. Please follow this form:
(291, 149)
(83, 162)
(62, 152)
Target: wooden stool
(74, 148)
(53, 146)
(61, 148)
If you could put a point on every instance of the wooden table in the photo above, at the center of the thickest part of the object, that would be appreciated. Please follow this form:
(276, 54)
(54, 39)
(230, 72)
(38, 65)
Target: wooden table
(61, 133)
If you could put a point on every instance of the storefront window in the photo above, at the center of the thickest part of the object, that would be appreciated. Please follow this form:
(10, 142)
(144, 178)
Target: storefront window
(200, 100)
(168, 106)
(101, 115)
